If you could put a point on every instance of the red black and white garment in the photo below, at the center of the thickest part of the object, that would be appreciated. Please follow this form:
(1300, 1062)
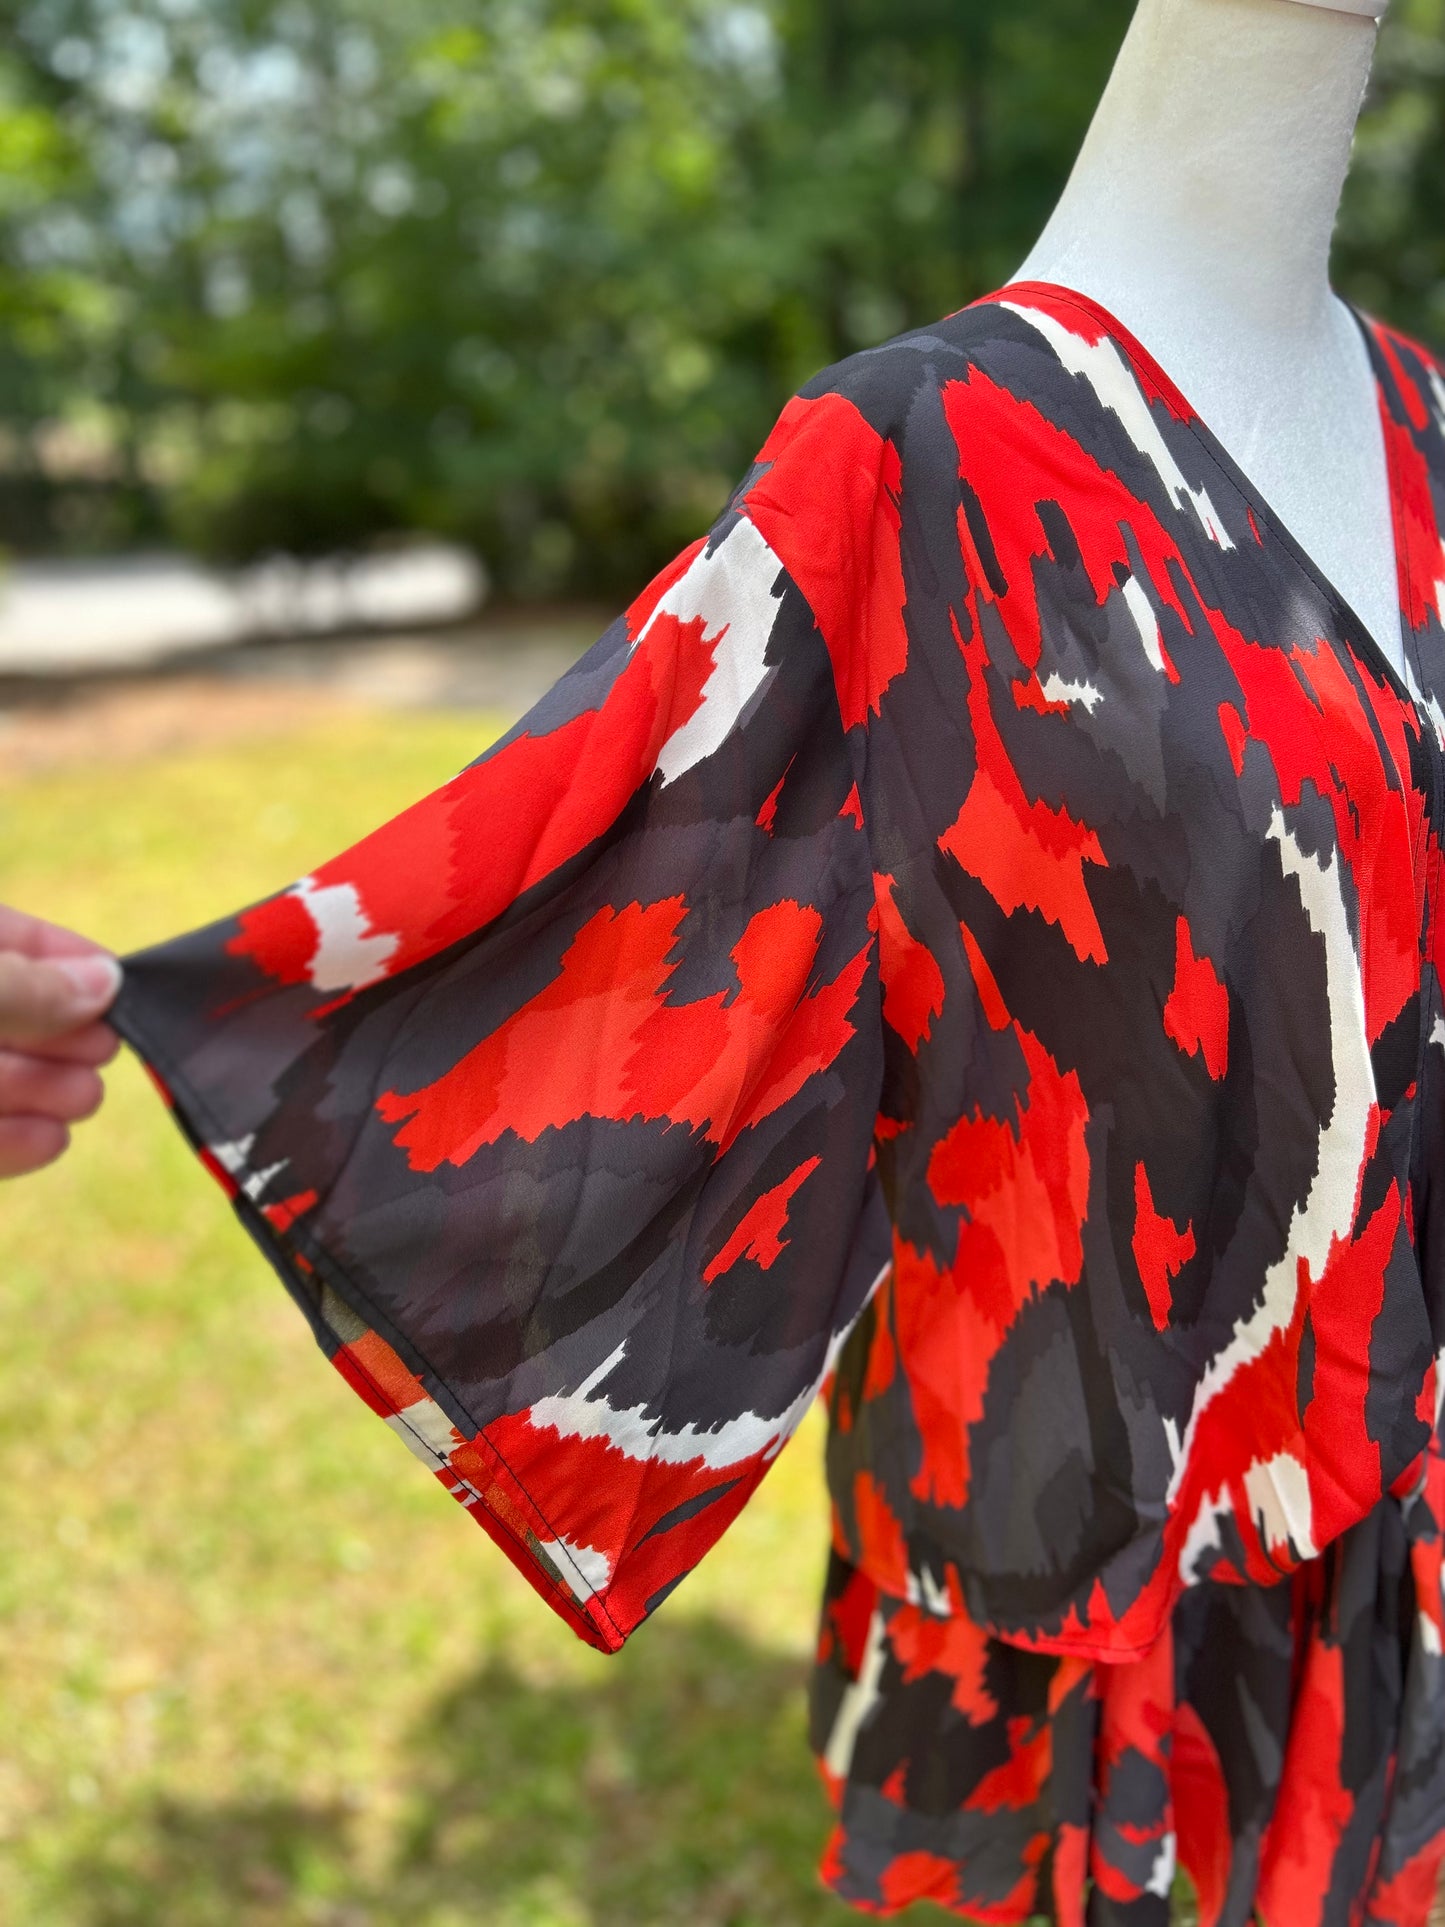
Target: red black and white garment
(967, 941)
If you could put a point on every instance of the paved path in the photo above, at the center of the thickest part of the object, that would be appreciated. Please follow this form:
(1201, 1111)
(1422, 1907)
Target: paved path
(501, 664)
(107, 615)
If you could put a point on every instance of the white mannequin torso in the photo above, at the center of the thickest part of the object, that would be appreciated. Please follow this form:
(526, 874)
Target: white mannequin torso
(1200, 212)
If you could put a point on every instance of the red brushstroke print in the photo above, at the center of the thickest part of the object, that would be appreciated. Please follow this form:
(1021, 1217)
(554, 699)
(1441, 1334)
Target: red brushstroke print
(280, 937)
(885, 1549)
(912, 980)
(602, 1041)
(1201, 1809)
(1231, 724)
(1025, 853)
(1196, 1013)
(1160, 1248)
(1345, 1301)
(1407, 1899)
(833, 480)
(1025, 1183)
(1020, 1780)
(282, 1215)
(995, 1010)
(949, 1324)
(759, 1234)
(950, 1644)
(447, 866)
(1313, 1807)
(1416, 413)
(945, 1344)
(1417, 537)
(912, 1877)
(1071, 1869)
(768, 814)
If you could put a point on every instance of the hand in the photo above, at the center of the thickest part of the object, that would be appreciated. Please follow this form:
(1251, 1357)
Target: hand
(54, 989)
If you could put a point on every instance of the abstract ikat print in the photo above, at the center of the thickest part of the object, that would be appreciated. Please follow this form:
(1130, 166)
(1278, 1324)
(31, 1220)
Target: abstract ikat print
(967, 941)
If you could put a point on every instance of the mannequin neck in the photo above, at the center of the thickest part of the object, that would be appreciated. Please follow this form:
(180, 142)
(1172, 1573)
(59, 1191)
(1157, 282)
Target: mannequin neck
(1215, 161)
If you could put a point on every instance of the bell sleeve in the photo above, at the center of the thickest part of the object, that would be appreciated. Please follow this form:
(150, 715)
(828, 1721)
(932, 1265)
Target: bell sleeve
(551, 1101)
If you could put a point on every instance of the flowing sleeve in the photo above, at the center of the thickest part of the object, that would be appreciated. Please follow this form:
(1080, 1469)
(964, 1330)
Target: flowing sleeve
(552, 1099)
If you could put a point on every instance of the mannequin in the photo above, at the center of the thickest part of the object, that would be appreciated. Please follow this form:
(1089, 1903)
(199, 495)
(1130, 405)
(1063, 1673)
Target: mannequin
(1200, 212)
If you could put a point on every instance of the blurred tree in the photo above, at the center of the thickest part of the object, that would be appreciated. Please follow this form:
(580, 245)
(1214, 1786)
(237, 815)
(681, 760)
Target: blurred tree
(53, 307)
(535, 273)
(1390, 247)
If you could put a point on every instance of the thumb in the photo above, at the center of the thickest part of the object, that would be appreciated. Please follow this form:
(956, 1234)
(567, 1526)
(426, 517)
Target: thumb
(94, 981)
(43, 1000)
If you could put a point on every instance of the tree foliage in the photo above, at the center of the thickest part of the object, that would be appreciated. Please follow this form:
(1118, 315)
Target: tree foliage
(533, 273)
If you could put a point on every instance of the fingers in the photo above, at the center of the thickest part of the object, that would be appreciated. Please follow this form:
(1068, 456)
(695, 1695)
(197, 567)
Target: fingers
(55, 987)
(34, 937)
(29, 1143)
(95, 1045)
(40, 1098)
(32, 1087)
(41, 1000)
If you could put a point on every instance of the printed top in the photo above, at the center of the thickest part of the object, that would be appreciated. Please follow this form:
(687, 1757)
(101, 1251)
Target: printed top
(967, 940)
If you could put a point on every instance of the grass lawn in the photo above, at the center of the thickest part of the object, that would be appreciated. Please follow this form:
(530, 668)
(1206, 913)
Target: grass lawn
(256, 1667)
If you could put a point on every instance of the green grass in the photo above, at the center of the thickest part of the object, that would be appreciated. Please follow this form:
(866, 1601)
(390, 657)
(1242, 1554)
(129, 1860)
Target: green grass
(255, 1666)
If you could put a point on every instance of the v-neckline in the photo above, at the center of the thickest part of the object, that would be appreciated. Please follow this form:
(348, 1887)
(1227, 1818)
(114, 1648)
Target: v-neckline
(1249, 491)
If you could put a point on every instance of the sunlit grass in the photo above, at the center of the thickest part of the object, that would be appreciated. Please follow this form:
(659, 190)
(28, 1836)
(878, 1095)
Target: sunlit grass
(255, 1666)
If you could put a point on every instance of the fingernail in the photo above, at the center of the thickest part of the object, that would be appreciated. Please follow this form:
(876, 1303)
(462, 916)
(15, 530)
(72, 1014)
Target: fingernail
(96, 978)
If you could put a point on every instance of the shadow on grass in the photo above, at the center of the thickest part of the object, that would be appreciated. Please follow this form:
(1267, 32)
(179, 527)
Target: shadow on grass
(677, 1788)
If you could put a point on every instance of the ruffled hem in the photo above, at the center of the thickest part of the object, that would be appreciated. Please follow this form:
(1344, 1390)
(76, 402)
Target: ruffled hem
(1283, 1747)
